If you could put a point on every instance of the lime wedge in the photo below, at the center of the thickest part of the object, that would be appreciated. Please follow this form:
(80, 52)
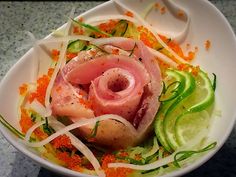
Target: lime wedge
(193, 120)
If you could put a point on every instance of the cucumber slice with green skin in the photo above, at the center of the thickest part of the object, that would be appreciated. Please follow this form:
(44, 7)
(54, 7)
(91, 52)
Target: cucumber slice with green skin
(120, 28)
(76, 46)
(202, 98)
(158, 124)
(176, 108)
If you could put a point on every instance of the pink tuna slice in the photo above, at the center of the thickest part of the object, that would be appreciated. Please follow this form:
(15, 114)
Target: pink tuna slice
(117, 84)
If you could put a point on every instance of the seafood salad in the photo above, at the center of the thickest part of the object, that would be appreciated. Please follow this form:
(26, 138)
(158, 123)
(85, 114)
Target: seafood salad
(117, 98)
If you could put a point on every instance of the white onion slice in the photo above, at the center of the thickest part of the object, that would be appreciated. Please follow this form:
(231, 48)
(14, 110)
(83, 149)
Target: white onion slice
(39, 108)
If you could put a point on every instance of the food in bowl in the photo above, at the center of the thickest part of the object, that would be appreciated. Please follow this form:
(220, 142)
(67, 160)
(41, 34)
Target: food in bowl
(133, 100)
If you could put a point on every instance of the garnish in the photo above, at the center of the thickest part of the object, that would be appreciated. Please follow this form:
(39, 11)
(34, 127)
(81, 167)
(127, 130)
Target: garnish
(182, 155)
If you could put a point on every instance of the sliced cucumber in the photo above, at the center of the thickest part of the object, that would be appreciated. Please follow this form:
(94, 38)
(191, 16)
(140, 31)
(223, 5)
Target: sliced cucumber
(172, 77)
(76, 46)
(176, 108)
(120, 28)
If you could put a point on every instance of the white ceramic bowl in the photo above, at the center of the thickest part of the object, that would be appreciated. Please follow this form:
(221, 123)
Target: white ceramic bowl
(206, 23)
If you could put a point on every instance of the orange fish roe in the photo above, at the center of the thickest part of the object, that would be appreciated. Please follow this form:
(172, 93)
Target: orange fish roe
(177, 49)
(163, 10)
(78, 30)
(23, 89)
(130, 14)
(25, 121)
(207, 44)
(147, 37)
(115, 51)
(108, 26)
(71, 162)
(157, 6)
(113, 172)
(42, 84)
(50, 72)
(86, 103)
(62, 141)
(69, 55)
(180, 13)
(186, 67)
(55, 54)
(40, 134)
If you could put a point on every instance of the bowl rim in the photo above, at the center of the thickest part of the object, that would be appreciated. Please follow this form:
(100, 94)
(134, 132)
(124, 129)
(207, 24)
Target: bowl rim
(62, 170)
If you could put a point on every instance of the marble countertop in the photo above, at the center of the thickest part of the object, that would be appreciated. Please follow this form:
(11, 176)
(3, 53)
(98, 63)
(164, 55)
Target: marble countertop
(17, 16)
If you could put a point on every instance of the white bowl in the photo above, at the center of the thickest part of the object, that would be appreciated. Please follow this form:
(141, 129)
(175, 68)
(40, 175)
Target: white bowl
(206, 23)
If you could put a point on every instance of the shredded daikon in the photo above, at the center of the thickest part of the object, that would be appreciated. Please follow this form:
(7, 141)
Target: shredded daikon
(39, 108)
(154, 149)
(80, 123)
(61, 62)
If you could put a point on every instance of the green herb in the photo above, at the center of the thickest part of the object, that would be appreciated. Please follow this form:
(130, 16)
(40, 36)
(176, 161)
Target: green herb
(182, 155)
(33, 117)
(132, 51)
(120, 29)
(214, 82)
(11, 128)
(93, 28)
(132, 161)
(172, 90)
(48, 129)
(94, 131)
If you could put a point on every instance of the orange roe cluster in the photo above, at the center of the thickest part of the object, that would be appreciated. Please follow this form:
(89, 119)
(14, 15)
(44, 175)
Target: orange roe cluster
(72, 161)
(192, 69)
(115, 51)
(147, 37)
(42, 84)
(77, 29)
(69, 55)
(207, 44)
(40, 134)
(25, 121)
(159, 7)
(86, 103)
(62, 141)
(55, 54)
(23, 89)
(106, 27)
(177, 49)
(129, 14)
(113, 172)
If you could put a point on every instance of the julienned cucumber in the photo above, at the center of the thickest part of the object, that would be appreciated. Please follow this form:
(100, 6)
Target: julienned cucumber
(196, 95)
(120, 29)
(76, 46)
(172, 77)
